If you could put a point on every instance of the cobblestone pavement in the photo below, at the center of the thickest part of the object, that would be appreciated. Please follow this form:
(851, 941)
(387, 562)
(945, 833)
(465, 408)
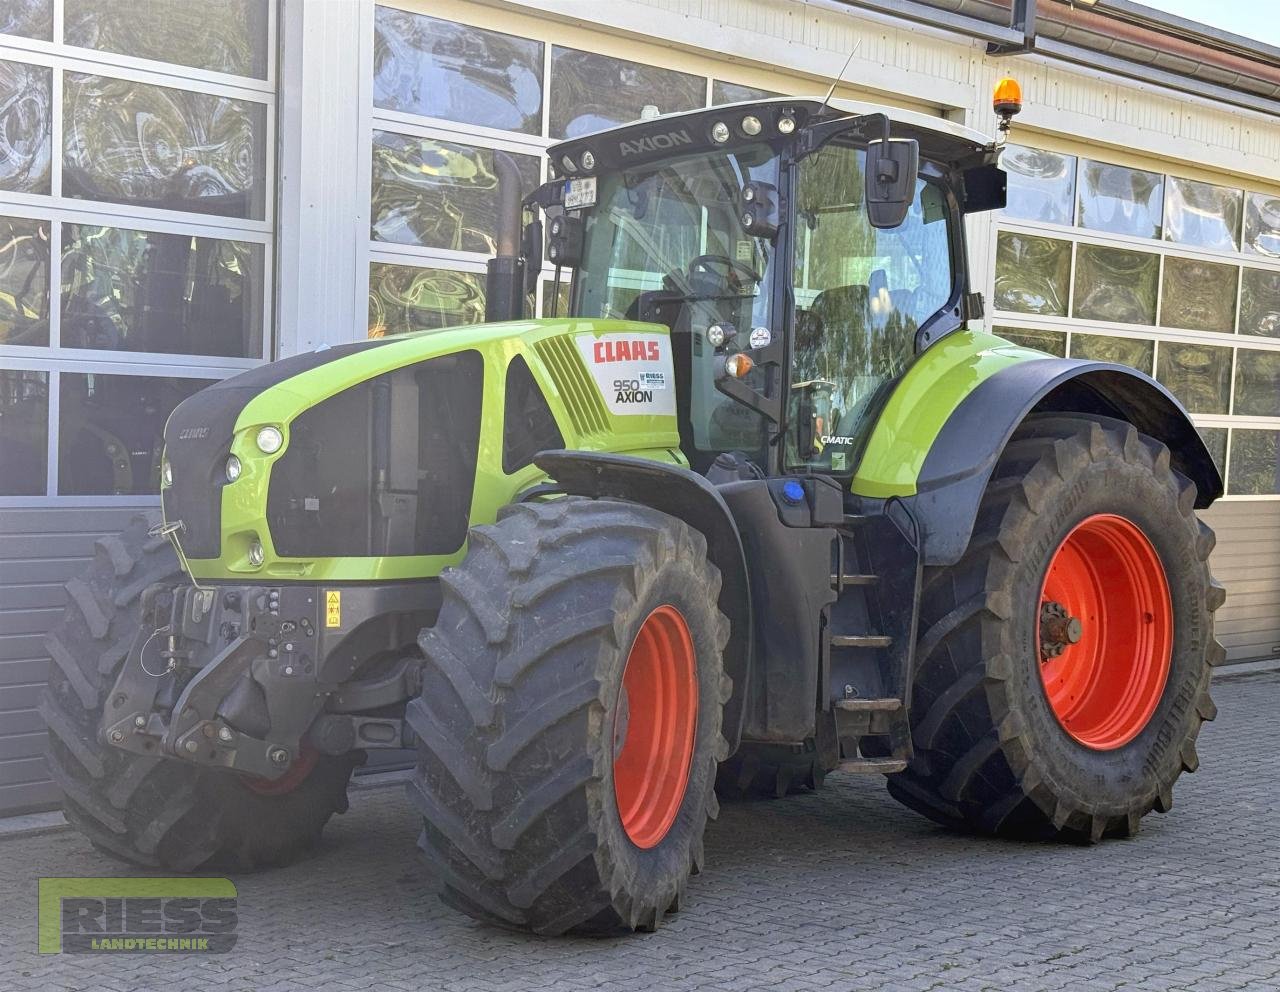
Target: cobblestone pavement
(843, 890)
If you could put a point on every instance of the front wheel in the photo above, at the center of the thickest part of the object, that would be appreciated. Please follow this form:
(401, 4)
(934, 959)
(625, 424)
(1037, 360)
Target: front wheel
(569, 721)
(1063, 665)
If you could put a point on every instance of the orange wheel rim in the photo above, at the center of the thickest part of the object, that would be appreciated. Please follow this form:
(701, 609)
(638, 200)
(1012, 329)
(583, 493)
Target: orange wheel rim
(290, 780)
(655, 718)
(1104, 634)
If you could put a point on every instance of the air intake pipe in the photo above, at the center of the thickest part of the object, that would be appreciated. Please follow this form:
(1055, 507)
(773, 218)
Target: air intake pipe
(504, 277)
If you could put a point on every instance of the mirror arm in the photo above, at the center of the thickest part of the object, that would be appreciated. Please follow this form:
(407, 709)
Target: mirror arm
(815, 137)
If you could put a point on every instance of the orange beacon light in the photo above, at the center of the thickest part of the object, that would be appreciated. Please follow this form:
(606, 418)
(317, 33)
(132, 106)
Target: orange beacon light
(1006, 101)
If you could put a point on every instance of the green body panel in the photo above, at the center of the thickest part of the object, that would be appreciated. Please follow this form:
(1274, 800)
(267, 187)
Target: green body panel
(548, 346)
(920, 404)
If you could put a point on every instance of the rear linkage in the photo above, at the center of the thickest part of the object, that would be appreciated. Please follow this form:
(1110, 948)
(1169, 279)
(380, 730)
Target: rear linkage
(250, 677)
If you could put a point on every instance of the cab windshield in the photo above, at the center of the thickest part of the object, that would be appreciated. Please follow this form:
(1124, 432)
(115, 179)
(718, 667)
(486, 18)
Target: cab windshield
(672, 232)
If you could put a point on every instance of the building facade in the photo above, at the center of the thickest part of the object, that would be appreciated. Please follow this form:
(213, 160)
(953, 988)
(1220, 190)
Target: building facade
(187, 190)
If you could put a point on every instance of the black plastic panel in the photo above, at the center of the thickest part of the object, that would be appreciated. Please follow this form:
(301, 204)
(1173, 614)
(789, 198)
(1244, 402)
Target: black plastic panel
(528, 425)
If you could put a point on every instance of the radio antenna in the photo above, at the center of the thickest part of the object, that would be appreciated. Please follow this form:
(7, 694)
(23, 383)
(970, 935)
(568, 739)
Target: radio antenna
(843, 69)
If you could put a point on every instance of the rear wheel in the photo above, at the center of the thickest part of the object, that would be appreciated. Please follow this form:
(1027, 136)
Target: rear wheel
(569, 722)
(1063, 666)
(154, 811)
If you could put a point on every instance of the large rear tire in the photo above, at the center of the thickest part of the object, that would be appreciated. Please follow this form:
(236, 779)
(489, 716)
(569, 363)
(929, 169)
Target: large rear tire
(1063, 665)
(162, 813)
(569, 722)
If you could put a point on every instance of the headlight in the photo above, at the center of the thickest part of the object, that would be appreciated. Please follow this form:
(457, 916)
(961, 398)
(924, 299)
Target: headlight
(719, 132)
(588, 161)
(567, 163)
(166, 473)
(786, 125)
(256, 555)
(751, 125)
(269, 440)
(233, 468)
(716, 335)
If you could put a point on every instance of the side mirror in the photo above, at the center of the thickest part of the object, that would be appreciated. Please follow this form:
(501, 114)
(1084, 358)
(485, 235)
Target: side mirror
(893, 165)
(531, 249)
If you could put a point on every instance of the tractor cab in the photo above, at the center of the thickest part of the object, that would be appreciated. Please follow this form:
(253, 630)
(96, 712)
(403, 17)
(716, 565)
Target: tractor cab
(802, 255)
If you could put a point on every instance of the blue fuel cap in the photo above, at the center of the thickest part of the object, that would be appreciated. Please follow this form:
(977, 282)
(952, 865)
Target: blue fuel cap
(792, 492)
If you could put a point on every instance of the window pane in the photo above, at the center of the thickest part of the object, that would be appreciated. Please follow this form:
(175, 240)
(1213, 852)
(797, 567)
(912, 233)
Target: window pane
(1262, 224)
(1116, 285)
(1032, 274)
(135, 143)
(438, 194)
(24, 432)
(1053, 342)
(24, 281)
(1120, 200)
(128, 290)
(110, 431)
(26, 116)
(1199, 375)
(1215, 439)
(561, 300)
(1255, 467)
(591, 92)
(423, 65)
(1203, 215)
(1200, 296)
(28, 18)
(218, 35)
(405, 298)
(1123, 351)
(1260, 302)
(722, 92)
(1042, 185)
(1257, 383)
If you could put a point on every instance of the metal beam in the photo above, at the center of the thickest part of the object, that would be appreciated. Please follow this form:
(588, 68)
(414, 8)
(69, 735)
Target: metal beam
(1022, 20)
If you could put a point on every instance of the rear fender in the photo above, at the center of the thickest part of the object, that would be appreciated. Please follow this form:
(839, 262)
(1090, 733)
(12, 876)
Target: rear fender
(964, 454)
(687, 496)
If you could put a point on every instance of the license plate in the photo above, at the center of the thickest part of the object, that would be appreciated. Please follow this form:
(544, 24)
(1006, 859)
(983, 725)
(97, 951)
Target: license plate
(579, 193)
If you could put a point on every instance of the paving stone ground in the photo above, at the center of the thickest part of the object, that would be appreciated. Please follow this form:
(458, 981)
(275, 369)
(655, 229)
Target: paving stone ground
(838, 890)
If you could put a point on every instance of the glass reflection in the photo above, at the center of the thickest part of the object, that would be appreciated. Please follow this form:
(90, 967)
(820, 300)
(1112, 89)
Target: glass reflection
(722, 92)
(1215, 439)
(218, 35)
(591, 92)
(405, 298)
(176, 294)
(28, 19)
(1200, 296)
(1203, 215)
(1115, 284)
(553, 302)
(1123, 201)
(110, 431)
(135, 143)
(1199, 375)
(1051, 342)
(1255, 463)
(1122, 351)
(1262, 224)
(1260, 302)
(26, 120)
(436, 68)
(1032, 274)
(1042, 185)
(1257, 383)
(24, 432)
(438, 194)
(24, 281)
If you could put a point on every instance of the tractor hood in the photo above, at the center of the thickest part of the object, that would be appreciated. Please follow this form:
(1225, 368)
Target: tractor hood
(363, 461)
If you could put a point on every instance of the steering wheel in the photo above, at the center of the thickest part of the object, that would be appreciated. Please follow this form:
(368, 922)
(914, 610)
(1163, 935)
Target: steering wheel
(731, 265)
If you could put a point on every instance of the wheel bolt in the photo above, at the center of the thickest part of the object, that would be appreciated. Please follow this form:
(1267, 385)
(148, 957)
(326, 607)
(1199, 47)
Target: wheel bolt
(117, 737)
(279, 756)
(139, 720)
(224, 734)
(192, 746)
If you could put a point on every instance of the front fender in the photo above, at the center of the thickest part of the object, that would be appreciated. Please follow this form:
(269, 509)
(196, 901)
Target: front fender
(955, 471)
(683, 494)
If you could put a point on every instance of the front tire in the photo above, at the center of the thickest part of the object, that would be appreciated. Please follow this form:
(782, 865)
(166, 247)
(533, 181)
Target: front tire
(569, 722)
(1027, 720)
(153, 811)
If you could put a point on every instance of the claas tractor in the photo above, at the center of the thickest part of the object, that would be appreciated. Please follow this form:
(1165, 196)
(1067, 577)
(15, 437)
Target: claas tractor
(764, 502)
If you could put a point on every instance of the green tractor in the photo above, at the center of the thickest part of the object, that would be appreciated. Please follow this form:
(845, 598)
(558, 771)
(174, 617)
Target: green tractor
(766, 502)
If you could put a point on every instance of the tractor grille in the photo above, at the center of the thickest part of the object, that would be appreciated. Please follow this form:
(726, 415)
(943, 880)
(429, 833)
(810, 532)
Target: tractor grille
(586, 408)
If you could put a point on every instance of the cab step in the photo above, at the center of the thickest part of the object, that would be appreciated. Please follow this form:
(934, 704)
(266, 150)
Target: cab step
(860, 641)
(889, 705)
(882, 766)
(844, 581)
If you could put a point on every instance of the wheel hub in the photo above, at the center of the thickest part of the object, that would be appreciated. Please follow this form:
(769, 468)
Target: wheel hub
(1058, 630)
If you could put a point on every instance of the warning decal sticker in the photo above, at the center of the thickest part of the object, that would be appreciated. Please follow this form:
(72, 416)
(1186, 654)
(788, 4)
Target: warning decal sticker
(632, 371)
(333, 608)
